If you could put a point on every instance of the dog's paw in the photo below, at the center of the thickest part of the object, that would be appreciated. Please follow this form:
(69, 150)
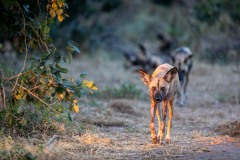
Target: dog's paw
(161, 143)
(168, 140)
(154, 140)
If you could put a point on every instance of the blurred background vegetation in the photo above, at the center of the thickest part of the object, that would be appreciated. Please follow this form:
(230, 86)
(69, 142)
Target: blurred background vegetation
(209, 28)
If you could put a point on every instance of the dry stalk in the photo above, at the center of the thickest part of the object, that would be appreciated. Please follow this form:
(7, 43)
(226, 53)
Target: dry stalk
(3, 94)
(51, 140)
(26, 49)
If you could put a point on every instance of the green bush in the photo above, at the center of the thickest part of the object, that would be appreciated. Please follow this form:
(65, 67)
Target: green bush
(38, 94)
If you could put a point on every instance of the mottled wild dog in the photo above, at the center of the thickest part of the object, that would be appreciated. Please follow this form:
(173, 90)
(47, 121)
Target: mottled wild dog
(142, 59)
(163, 85)
(182, 59)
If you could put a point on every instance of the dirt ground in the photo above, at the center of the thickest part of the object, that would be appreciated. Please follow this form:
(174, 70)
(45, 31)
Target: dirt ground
(207, 127)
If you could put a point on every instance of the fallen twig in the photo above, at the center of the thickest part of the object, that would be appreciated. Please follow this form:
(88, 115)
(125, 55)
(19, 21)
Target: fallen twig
(49, 105)
(51, 140)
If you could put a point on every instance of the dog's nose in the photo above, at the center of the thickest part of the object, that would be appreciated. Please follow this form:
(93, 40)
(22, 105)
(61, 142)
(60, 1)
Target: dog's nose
(158, 98)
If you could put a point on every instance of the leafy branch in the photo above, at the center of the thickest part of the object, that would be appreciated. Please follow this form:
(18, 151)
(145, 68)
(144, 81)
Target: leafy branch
(41, 84)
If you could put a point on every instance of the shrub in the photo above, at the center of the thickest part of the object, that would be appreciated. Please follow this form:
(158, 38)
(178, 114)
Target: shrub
(38, 94)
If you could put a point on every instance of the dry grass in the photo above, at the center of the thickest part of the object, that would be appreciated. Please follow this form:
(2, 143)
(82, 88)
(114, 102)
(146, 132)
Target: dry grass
(232, 129)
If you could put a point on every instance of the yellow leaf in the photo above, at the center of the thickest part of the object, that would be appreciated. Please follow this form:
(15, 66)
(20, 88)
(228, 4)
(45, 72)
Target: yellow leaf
(75, 108)
(51, 81)
(18, 96)
(95, 88)
(60, 96)
(89, 84)
(72, 79)
(60, 4)
(59, 11)
(54, 6)
(75, 101)
(52, 13)
(60, 18)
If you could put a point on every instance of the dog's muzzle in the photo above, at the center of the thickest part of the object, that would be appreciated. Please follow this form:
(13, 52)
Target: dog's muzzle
(158, 98)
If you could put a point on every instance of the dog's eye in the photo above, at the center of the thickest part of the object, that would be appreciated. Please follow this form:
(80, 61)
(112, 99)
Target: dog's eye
(163, 88)
(154, 88)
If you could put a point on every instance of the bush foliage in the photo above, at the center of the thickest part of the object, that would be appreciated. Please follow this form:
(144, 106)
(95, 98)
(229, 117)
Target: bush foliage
(38, 93)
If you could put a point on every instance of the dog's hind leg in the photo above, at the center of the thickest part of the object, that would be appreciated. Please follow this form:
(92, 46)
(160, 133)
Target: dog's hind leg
(164, 115)
(158, 112)
(185, 86)
(170, 110)
(152, 125)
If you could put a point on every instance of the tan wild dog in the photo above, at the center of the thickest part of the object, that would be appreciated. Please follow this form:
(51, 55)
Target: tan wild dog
(163, 86)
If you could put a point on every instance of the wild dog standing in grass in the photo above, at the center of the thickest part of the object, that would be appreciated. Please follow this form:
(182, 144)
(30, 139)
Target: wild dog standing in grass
(182, 59)
(163, 86)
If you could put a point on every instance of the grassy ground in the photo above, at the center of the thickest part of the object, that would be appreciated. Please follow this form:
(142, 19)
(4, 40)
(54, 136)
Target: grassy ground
(114, 126)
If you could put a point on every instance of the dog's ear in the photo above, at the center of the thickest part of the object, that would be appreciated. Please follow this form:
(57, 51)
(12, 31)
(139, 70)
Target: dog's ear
(142, 49)
(172, 58)
(146, 78)
(170, 75)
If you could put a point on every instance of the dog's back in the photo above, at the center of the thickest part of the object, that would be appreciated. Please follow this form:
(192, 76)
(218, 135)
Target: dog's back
(161, 70)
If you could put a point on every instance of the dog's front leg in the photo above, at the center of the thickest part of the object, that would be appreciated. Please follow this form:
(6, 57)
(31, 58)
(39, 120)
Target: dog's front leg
(164, 115)
(152, 125)
(185, 86)
(158, 112)
(170, 110)
(182, 95)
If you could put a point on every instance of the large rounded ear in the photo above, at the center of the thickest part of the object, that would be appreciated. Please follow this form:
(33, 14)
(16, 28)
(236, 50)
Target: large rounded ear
(146, 78)
(170, 75)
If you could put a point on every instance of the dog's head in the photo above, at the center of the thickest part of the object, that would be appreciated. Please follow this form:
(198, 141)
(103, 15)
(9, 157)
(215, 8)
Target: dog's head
(159, 87)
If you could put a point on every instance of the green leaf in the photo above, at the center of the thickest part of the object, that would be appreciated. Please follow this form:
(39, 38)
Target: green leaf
(78, 81)
(26, 7)
(45, 29)
(57, 58)
(69, 117)
(83, 75)
(52, 90)
(29, 156)
(70, 49)
(63, 70)
(70, 43)
(70, 58)
(57, 75)
(45, 56)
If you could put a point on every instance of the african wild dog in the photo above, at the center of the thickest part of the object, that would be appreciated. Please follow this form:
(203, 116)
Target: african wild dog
(182, 59)
(163, 85)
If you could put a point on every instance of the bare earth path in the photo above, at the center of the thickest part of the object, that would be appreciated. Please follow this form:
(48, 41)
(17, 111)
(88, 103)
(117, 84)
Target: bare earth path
(206, 128)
